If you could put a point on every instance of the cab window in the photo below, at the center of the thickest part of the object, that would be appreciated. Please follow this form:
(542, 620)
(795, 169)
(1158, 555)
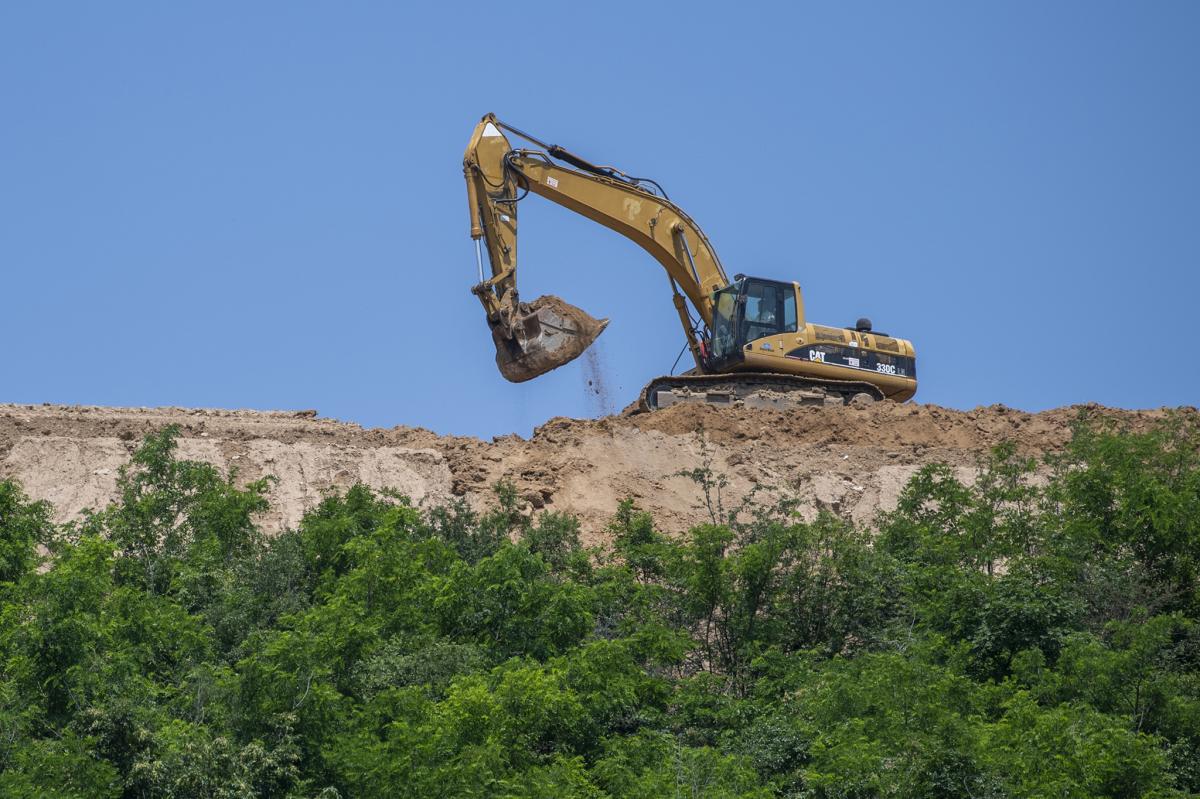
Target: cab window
(724, 341)
(770, 309)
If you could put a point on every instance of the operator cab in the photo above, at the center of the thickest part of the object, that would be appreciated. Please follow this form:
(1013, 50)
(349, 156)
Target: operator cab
(747, 309)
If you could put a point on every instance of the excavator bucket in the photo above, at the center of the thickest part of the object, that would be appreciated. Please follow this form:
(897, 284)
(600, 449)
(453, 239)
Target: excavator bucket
(547, 333)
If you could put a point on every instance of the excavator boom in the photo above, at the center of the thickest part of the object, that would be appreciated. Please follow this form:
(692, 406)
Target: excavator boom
(534, 338)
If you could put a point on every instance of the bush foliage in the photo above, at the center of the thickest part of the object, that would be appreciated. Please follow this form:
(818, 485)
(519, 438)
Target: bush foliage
(1028, 635)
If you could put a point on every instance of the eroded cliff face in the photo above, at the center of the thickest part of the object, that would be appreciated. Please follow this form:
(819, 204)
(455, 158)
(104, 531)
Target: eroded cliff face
(851, 461)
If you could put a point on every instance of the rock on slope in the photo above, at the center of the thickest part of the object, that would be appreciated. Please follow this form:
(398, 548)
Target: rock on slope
(852, 461)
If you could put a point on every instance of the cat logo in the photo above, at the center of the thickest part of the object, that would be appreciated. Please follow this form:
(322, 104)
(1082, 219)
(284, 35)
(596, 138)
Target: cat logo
(816, 355)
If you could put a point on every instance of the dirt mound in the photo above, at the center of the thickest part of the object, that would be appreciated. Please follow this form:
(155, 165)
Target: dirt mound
(852, 461)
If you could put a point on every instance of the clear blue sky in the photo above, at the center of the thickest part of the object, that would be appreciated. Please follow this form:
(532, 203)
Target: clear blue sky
(261, 204)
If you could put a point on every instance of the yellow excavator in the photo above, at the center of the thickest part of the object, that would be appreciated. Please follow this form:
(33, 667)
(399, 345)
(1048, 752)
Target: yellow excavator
(748, 337)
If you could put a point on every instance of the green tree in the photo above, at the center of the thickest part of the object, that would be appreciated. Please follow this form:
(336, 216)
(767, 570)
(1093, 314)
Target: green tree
(1018, 634)
(23, 526)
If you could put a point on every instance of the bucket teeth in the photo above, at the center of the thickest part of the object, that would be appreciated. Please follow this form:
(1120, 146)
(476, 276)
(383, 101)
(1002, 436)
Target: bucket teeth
(546, 334)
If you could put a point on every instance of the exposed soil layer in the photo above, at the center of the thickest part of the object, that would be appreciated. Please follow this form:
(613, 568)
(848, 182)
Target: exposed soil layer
(852, 461)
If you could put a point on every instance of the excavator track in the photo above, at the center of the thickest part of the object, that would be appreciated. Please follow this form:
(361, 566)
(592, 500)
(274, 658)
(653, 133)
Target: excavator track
(754, 390)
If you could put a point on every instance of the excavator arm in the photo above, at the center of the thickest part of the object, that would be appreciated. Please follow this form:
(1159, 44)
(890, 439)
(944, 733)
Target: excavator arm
(533, 338)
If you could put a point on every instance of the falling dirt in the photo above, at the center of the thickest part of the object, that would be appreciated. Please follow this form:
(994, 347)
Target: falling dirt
(851, 461)
(595, 377)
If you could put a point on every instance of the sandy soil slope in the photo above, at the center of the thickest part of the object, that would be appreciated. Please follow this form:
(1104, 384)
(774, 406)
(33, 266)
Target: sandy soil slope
(852, 461)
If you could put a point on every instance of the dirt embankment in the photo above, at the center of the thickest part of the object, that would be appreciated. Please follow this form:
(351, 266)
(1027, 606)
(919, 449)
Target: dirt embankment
(853, 461)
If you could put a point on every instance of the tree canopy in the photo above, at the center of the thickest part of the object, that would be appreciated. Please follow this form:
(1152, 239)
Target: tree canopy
(1033, 633)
